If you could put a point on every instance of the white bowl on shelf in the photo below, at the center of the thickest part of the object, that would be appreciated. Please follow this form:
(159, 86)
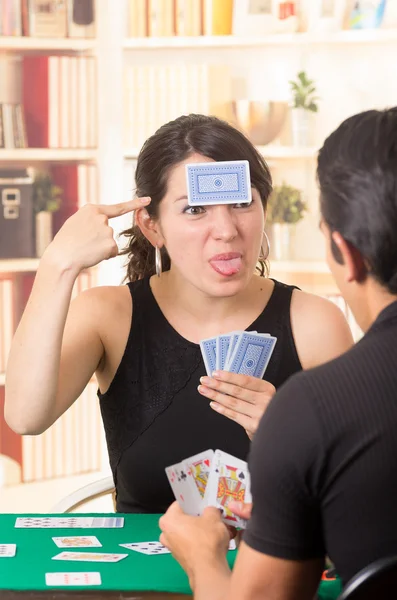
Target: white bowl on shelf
(262, 122)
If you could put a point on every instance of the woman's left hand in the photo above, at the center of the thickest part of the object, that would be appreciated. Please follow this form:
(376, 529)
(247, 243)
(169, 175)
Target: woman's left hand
(241, 398)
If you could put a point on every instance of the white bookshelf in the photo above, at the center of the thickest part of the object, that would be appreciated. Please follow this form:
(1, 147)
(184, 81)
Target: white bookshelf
(28, 44)
(19, 265)
(32, 155)
(229, 41)
(303, 267)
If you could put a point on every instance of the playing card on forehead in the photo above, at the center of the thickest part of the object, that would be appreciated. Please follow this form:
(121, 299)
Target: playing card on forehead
(226, 182)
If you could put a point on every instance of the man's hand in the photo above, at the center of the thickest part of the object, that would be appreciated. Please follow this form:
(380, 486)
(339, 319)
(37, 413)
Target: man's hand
(195, 542)
(241, 509)
(241, 398)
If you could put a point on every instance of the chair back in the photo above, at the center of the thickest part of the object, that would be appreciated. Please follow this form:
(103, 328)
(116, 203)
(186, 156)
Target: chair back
(377, 581)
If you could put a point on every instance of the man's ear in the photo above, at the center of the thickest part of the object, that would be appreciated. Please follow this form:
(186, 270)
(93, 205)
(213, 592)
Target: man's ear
(354, 263)
(149, 227)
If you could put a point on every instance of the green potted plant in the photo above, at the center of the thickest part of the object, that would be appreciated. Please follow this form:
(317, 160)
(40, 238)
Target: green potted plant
(286, 207)
(46, 200)
(304, 104)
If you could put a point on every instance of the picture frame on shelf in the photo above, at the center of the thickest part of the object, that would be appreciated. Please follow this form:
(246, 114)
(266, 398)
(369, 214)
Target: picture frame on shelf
(254, 17)
(324, 15)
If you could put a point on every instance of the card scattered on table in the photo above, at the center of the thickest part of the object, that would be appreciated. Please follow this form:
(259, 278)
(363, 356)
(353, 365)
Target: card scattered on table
(147, 547)
(77, 541)
(211, 479)
(225, 182)
(246, 352)
(89, 556)
(8, 550)
(64, 522)
(77, 579)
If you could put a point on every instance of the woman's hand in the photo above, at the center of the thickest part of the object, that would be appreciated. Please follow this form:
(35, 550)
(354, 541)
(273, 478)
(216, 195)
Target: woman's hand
(241, 398)
(86, 238)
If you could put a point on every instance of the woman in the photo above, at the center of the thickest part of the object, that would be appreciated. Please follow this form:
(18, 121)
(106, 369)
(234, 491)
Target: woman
(142, 339)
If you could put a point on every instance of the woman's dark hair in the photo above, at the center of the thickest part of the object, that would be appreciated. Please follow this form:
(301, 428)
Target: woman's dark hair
(170, 145)
(357, 174)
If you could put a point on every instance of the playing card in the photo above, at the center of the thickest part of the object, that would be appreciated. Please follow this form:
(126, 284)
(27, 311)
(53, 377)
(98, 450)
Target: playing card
(7, 550)
(208, 350)
(251, 354)
(228, 480)
(226, 182)
(81, 541)
(63, 522)
(89, 556)
(147, 547)
(232, 545)
(234, 336)
(221, 350)
(184, 488)
(198, 467)
(55, 579)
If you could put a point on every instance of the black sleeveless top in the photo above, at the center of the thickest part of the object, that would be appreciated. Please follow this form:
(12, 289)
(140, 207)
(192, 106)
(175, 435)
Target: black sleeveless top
(153, 414)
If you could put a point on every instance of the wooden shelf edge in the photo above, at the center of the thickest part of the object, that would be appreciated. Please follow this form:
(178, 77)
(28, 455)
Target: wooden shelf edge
(47, 155)
(27, 43)
(299, 267)
(18, 265)
(234, 41)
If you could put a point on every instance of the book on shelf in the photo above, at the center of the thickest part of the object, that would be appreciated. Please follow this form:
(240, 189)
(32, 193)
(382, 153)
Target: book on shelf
(137, 18)
(48, 18)
(218, 16)
(183, 89)
(188, 18)
(79, 184)
(12, 126)
(6, 321)
(60, 101)
(161, 18)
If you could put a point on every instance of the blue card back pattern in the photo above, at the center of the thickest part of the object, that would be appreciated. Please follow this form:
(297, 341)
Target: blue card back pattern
(226, 182)
(252, 354)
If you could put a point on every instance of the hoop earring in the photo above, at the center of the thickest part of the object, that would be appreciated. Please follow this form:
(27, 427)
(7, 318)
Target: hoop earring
(264, 255)
(158, 261)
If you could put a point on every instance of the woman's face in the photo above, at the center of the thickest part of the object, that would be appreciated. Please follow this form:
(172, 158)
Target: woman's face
(216, 247)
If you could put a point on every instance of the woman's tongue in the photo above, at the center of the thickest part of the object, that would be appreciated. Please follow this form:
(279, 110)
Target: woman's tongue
(230, 266)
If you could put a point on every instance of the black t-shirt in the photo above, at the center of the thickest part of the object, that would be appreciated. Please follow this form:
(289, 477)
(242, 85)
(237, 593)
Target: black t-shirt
(152, 412)
(324, 459)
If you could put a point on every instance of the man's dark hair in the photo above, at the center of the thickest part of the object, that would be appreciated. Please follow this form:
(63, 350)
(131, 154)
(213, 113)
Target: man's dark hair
(357, 174)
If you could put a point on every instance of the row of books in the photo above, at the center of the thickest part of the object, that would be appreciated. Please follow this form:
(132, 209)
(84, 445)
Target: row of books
(156, 18)
(48, 18)
(60, 101)
(12, 126)
(155, 94)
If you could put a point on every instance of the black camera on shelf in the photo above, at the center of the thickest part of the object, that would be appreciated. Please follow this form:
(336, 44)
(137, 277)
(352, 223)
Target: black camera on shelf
(17, 229)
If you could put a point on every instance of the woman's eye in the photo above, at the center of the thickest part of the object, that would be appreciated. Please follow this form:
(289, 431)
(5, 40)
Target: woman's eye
(243, 204)
(194, 210)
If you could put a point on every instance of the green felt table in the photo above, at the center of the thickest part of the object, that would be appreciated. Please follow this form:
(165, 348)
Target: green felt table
(137, 576)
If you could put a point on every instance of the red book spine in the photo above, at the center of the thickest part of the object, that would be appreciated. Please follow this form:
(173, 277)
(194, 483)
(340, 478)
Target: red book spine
(36, 100)
(66, 177)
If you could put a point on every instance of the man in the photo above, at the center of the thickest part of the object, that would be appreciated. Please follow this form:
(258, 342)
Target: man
(324, 459)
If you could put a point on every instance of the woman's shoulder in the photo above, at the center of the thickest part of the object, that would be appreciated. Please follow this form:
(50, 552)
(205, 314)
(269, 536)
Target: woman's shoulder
(104, 303)
(320, 328)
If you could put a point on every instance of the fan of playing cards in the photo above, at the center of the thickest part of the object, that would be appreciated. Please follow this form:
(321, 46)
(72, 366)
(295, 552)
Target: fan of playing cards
(246, 352)
(211, 479)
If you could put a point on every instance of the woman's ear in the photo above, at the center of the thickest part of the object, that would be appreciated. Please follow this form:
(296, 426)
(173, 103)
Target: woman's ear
(149, 227)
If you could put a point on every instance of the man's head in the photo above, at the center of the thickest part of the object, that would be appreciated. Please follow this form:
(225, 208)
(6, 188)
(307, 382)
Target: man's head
(357, 174)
